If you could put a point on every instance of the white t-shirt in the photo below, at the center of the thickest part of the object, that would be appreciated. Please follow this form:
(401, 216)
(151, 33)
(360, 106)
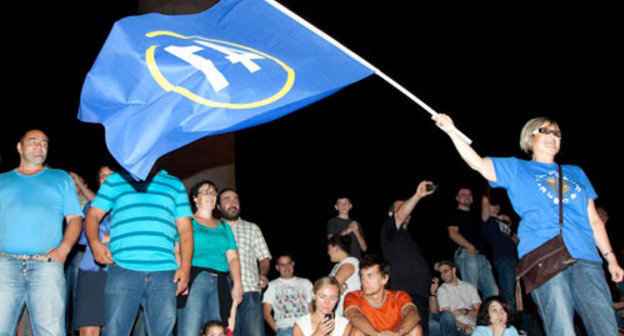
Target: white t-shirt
(305, 324)
(353, 282)
(462, 296)
(289, 298)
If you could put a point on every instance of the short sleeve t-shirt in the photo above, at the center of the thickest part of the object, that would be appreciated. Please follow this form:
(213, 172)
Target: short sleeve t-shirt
(498, 234)
(462, 296)
(533, 188)
(469, 227)
(143, 227)
(336, 225)
(388, 316)
(211, 246)
(33, 208)
(290, 299)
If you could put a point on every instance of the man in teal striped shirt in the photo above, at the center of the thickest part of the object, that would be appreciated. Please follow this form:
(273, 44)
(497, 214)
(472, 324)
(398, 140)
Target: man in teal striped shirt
(146, 216)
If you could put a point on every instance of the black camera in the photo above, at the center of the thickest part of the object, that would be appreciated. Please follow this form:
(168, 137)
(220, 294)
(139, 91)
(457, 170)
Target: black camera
(431, 187)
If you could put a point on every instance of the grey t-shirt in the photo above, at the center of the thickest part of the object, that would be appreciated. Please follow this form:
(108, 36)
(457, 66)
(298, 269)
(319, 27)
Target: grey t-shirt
(337, 225)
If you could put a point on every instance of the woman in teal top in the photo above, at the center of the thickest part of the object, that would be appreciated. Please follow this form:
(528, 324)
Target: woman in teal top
(215, 254)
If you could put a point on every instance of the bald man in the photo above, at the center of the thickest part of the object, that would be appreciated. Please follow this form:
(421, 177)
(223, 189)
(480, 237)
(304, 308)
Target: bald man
(34, 201)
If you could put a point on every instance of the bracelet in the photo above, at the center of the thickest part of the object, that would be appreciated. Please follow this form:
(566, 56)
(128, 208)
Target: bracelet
(608, 253)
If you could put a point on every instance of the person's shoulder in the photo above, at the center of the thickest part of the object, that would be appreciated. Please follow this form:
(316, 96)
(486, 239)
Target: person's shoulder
(356, 294)
(7, 174)
(481, 331)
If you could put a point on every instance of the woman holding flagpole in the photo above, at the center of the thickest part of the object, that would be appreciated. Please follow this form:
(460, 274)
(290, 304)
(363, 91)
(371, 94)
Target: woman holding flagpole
(533, 188)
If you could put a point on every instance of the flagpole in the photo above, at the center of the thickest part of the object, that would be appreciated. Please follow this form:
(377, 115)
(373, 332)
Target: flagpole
(363, 61)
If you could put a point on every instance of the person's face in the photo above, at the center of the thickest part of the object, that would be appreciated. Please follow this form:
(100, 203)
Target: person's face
(602, 213)
(372, 281)
(497, 313)
(464, 197)
(33, 148)
(343, 205)
(286, 267)
(215, 331)
(104, 173)
(548, 144)
(206, 197)
(494, 210)
(447, 273)
(332, 252)
(229, 205)
(326, 298)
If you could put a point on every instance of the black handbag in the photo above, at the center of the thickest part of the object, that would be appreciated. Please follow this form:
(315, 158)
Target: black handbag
(550, 258)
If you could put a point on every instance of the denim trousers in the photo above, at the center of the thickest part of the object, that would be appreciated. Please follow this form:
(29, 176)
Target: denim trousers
(476, 269)
(506, 270)
(201, 306)
(581, 287)
(447, 325)
(127, 290)
(249, 319)
(284, 331)
(40, 286)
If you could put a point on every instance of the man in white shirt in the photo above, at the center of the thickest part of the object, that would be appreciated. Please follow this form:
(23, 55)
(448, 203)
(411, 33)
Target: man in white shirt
(457, 302)
(287, 297)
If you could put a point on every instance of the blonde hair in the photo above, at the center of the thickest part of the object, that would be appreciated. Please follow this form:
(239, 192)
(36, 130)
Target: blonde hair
(320, 283)
(527, 131)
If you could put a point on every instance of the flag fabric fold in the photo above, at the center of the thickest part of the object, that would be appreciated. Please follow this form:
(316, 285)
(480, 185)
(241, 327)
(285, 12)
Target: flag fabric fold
(161, 82)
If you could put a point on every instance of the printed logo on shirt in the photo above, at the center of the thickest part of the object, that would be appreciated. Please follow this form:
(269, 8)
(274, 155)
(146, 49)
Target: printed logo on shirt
(291, 303)
(548, 184)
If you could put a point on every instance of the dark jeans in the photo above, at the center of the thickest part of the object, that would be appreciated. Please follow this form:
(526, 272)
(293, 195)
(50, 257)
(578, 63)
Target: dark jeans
(506, 269)
(249, 319)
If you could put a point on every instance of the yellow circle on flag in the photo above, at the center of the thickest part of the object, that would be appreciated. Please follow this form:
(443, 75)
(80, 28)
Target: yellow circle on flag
(167, 86)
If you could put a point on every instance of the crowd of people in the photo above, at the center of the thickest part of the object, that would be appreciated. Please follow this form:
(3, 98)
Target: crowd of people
(155, 259)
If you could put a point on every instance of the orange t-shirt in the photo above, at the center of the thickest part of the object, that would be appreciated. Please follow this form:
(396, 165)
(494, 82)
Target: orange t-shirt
(387, 317)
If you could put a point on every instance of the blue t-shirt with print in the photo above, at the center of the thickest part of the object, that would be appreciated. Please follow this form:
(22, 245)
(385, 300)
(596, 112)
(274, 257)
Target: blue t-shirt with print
(32, 210)
(533, 188)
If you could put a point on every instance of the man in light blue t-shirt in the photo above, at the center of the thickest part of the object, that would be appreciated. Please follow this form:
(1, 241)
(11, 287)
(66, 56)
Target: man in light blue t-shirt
(147, 216)
(34, 201)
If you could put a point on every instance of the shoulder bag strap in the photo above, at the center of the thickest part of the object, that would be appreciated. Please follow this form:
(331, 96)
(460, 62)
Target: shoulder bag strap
(560, 199)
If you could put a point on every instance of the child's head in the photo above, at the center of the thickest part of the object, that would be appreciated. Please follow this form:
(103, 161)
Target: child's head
(494, 310)
(214, 328)
(343, 205)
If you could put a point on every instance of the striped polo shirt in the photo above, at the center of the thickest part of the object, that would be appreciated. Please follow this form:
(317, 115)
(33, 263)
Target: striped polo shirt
(143, 227)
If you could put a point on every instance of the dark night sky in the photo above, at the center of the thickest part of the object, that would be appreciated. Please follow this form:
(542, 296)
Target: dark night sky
(490, 67)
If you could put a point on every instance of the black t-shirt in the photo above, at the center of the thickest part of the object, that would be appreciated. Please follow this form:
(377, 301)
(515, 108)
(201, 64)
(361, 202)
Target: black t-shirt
(498, 234)
(469, 226)
(409, 271)
(336, 225)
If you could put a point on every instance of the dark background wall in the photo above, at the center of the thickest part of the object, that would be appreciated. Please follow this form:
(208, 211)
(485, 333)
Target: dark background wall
(490, 67)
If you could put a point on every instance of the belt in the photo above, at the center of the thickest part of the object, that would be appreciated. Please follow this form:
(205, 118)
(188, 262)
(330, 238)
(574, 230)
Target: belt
(39, 257)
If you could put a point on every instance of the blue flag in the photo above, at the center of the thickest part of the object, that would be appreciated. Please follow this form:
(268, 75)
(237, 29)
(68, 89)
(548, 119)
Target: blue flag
(161, 82)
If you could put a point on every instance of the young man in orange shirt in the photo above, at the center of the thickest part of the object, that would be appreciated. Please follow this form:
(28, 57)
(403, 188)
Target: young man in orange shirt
(376, 311)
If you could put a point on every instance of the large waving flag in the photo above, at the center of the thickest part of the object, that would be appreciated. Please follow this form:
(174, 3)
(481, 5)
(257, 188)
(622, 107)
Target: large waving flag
(161, 82)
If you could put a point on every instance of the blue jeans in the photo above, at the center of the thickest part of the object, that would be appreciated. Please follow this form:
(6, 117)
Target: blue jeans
(71, 281)
(201, 306)
(477, 270)
(447, 325)
(581, 287)
(506, 269)
(249, 319)
(126, 290)
(284, 332)
(41, 287)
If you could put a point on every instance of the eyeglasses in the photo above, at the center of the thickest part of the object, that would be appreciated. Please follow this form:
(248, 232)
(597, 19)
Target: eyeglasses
(207, 192)
(546, 130)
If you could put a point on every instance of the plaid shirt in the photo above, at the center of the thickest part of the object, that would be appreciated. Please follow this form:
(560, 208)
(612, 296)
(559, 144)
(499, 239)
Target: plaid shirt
(251, 249)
